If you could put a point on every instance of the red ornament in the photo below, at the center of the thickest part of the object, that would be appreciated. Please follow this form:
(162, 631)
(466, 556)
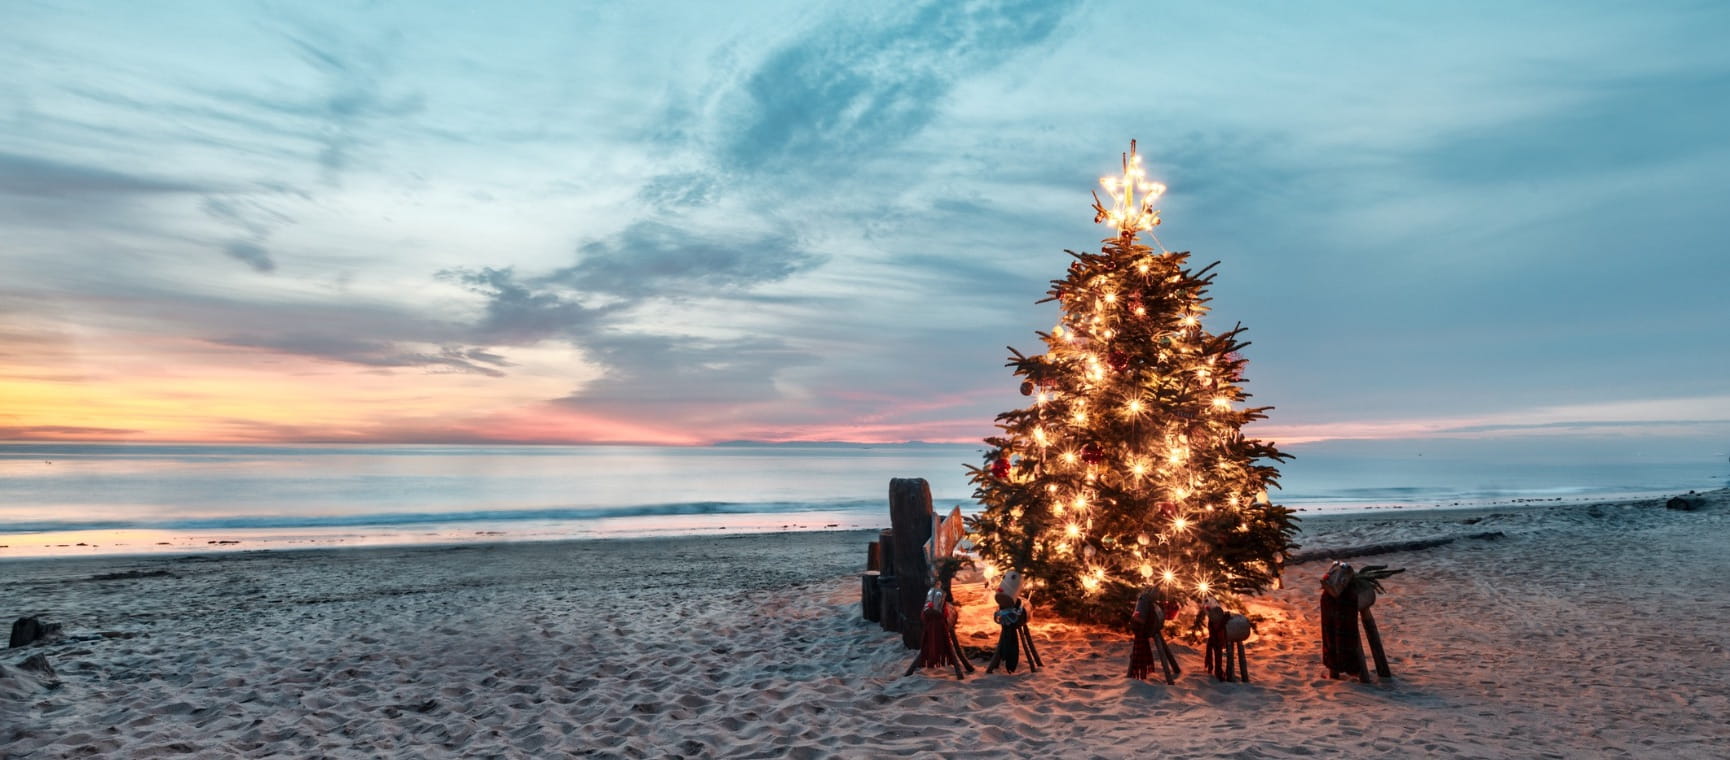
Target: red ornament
(1118, 360)
(1092, 454)
(1000, 468)
(1167, 509)
(1027, 387)
(1171, 608)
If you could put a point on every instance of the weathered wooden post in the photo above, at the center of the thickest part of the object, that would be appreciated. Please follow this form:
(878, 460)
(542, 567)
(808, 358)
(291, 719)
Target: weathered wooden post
(910, 518)
(888, 599)
(869, 606)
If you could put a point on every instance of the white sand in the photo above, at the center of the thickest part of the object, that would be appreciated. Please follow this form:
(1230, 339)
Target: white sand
(1585, 632)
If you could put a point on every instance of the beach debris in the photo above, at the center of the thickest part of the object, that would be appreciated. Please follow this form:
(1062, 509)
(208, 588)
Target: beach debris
(1688, 502)
(37, 663)
(31, 630)
(1147, 639)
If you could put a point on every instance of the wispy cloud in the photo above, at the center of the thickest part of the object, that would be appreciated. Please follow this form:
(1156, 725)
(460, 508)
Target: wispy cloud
(653, 258)
(1705, 414)
(29, 175)
(375, 353)
(854, 87)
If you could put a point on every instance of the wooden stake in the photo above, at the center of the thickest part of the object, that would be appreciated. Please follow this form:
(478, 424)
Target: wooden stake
(1374, 634)
(1166, 661)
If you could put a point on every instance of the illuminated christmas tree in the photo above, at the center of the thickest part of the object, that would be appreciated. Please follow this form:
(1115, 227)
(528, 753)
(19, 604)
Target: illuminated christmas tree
(1130, 469)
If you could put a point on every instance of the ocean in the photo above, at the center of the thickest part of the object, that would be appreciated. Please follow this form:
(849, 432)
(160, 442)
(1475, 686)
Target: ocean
(70, 499)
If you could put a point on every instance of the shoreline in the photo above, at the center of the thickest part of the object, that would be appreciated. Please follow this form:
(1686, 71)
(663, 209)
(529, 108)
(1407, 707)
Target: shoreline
(69, 544)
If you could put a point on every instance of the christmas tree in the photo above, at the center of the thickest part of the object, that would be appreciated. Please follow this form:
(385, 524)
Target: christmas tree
(1130, 469)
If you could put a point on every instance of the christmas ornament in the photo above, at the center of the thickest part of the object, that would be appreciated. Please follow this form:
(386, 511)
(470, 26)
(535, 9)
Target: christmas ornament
(1092, 454)
(1000, 468)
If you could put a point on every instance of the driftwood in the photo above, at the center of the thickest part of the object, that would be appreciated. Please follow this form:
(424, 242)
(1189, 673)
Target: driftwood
(1347, 552)
(1688, 503)
(30, 630)
(910, 516)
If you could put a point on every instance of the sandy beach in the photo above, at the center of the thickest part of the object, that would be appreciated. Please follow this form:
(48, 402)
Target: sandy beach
(1580, 631)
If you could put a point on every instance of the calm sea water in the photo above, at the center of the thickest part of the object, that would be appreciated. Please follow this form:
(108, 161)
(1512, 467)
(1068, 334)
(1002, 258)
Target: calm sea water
(117, 498)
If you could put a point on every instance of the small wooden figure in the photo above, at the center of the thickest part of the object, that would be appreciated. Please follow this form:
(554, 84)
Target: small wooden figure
(1226, 634)
(1147, 639)
(1347, 596)
(1237, 631)
(1014, 637)
(937, 636)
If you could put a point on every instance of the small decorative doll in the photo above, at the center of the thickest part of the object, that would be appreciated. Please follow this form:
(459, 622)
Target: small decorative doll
(1012, 616)
(1147, 639)
(937, 646)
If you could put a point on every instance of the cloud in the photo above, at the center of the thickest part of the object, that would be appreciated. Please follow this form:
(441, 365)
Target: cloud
(683, 380)
(255, 220)
(54, 432)
(250, 252)
(516, 314)
(859, 87)
(651, 258)
(375, 353)
(355, 74)
(25, 175)
(1625, 417)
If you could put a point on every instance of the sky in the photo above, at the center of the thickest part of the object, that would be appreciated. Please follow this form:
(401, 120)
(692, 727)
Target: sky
(683, 223)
